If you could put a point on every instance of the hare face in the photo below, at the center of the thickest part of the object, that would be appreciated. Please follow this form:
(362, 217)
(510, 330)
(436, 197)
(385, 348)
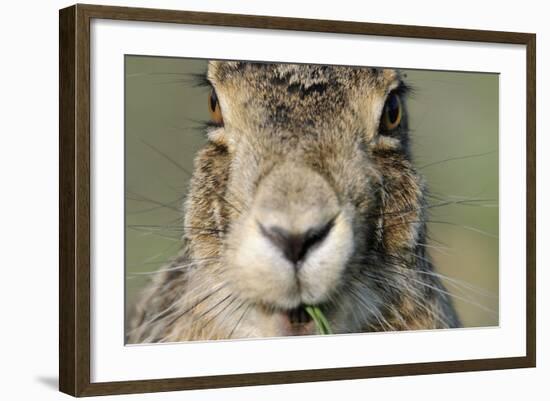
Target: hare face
(302, 156)
(304, 195)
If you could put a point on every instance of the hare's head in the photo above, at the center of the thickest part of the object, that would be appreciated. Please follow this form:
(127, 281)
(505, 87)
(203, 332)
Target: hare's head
(306, 194)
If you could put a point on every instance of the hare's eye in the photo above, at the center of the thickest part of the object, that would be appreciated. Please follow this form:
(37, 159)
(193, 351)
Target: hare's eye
(391, 118)
(214, 108)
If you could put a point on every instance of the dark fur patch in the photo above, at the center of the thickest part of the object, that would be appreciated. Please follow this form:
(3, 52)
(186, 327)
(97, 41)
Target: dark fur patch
(304, 91)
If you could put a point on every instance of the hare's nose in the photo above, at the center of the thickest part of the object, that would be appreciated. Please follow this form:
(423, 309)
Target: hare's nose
(295, 246)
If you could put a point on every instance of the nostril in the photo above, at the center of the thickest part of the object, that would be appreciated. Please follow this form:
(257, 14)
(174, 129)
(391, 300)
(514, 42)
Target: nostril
(296, 245)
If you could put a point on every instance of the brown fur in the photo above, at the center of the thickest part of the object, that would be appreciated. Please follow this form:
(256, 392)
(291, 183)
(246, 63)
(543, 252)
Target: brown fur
(304, 141)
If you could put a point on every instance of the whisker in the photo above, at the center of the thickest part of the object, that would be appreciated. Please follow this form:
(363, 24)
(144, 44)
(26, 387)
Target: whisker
(179, 166)
(157, 316)
(203, 299)
(407, 222)
(426, 207)
(415, 298)
(457, 283)
(382, 321)
(214, 307)
(239, 320)
(183, 266)
(211, 319)
(482, 307)
(466, 227)
(151, 259)
(460, 284)
(455, 158)
(144, 233)
(140, 198)
(176, 229)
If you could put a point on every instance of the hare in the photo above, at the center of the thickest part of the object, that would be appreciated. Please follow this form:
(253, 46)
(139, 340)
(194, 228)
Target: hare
(306, 194)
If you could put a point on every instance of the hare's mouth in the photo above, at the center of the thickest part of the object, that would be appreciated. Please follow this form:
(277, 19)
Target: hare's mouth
(296, 322)
(298, 316)
(291, 322)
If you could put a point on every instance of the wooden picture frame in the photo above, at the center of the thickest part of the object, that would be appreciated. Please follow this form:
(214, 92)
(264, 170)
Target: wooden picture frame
(74, 203)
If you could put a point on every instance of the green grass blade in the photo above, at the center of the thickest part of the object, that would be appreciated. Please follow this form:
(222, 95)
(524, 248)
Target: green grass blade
(319, 318)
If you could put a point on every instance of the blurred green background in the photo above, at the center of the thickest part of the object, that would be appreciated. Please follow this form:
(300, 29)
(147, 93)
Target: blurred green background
(454, 134)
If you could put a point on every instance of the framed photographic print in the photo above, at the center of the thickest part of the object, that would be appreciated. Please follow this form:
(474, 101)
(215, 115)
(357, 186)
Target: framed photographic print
(251, 200)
